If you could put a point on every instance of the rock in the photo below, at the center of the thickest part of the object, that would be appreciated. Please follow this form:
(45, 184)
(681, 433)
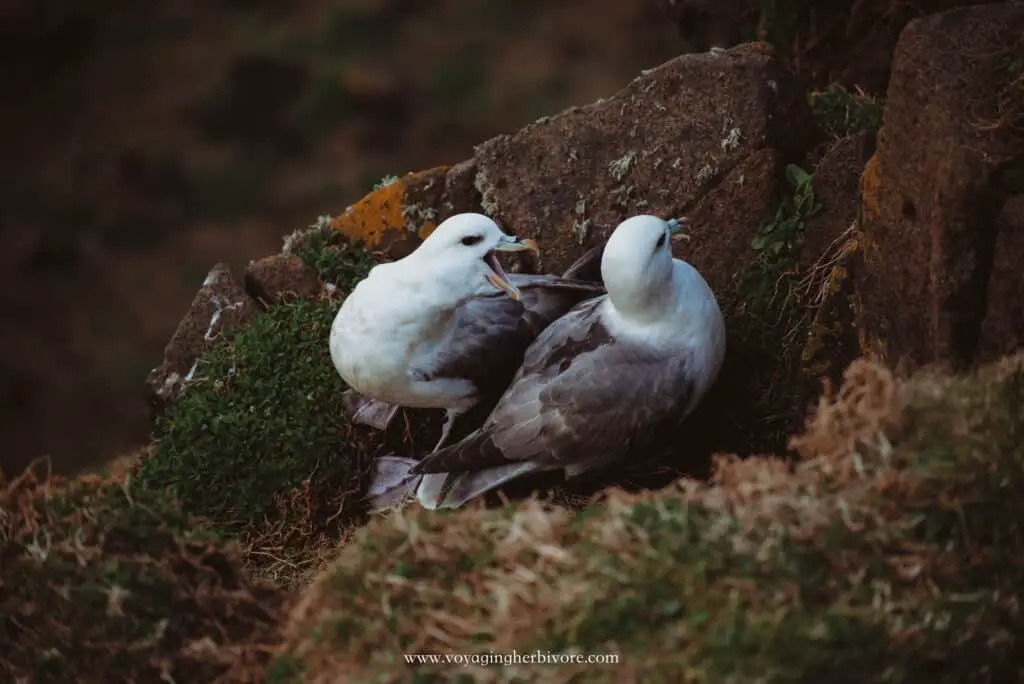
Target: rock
(393, 219)
(827, 256)
(932, 191)
(742, 201)
(1003, 327)
(275, 277)
(221, 306)
(836, 180)
(660, 145)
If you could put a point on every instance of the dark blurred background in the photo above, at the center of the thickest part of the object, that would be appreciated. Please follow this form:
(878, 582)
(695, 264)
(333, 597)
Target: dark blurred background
(141, 142)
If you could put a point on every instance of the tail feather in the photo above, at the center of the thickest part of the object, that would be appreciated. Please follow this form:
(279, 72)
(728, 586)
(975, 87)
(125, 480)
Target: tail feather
(588, 266)
(462, 487)
(391, 483)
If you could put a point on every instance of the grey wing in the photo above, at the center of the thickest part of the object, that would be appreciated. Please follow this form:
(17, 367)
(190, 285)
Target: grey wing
(489, 334)
(580, 400)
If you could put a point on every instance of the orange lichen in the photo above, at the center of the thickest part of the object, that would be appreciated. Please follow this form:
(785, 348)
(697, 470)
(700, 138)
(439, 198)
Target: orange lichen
(379, 219)
(870, 210)
(870, 185)
(426, 229)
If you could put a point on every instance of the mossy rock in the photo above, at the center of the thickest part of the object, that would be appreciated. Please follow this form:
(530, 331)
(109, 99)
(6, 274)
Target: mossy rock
(259, 441)
(889, 552)
(101, 582)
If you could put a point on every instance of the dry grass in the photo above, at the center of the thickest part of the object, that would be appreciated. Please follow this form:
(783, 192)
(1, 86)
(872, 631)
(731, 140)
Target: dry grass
(891, 551)
(103, 583)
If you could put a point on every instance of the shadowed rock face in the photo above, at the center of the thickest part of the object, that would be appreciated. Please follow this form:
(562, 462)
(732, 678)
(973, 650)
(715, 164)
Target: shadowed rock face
(934, 189)
(1003, 327)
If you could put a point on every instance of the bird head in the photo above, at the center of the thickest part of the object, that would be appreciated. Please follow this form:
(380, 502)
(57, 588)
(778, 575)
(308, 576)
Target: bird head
(464, 249)
(637, 261)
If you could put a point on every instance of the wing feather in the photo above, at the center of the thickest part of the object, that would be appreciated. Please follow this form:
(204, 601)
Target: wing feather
(489, 334)
(580, 399)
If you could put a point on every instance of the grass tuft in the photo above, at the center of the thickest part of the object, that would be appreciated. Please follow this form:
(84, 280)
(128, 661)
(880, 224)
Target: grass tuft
(103, 581)
(891, 551)
(259, 441)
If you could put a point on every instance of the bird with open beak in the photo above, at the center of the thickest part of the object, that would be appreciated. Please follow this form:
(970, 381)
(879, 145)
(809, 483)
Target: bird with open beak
(445, 327)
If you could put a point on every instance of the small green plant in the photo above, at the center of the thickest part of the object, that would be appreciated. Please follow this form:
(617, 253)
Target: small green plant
(766, 326)
(841, 113)
(262, 417)
(336, 260)
(777, 244)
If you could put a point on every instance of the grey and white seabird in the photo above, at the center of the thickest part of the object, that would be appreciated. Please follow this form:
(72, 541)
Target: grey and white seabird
(443, 328)
(600, 382)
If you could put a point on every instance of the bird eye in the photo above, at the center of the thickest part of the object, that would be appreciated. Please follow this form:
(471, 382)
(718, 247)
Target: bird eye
(471, 240)
(661, 242)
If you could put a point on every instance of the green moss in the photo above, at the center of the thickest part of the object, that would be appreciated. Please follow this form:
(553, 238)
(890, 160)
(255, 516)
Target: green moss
(262, 416)
(103, 581)
(335, 259)
(841, 113)
(891, 554)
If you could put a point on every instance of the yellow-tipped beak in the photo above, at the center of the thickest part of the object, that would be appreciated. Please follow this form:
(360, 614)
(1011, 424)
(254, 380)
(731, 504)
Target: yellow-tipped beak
(504, 284)
(497, 277)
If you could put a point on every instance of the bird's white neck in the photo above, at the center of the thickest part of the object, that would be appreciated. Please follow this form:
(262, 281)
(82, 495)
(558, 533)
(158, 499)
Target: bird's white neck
(430, 296)
(656, 302)
(658, 313)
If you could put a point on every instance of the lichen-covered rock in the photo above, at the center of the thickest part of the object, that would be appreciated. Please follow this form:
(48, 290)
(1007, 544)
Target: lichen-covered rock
(1003, 327)
(932, 192)
(657, 146)
(395, 217)
(220, 308)
(721, 224)
(275, 277)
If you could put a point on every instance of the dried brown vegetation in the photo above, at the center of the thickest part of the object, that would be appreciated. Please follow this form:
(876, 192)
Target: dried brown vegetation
(891, 551)
(102, 583)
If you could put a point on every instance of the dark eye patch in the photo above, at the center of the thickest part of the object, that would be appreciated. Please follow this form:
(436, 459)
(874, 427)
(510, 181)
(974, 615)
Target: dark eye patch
(471, 240)
(661, 242)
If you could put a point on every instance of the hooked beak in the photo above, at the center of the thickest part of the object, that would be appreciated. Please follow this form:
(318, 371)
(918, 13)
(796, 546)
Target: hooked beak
(513, 244)
(675, 227)
(497, 277)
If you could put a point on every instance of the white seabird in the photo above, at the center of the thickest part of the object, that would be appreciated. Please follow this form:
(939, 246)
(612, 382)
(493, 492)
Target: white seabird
(602, 381)
(443, 328)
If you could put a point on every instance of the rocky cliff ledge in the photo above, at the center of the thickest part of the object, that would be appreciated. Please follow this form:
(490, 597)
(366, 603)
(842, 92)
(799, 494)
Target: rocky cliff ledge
(872, 244)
